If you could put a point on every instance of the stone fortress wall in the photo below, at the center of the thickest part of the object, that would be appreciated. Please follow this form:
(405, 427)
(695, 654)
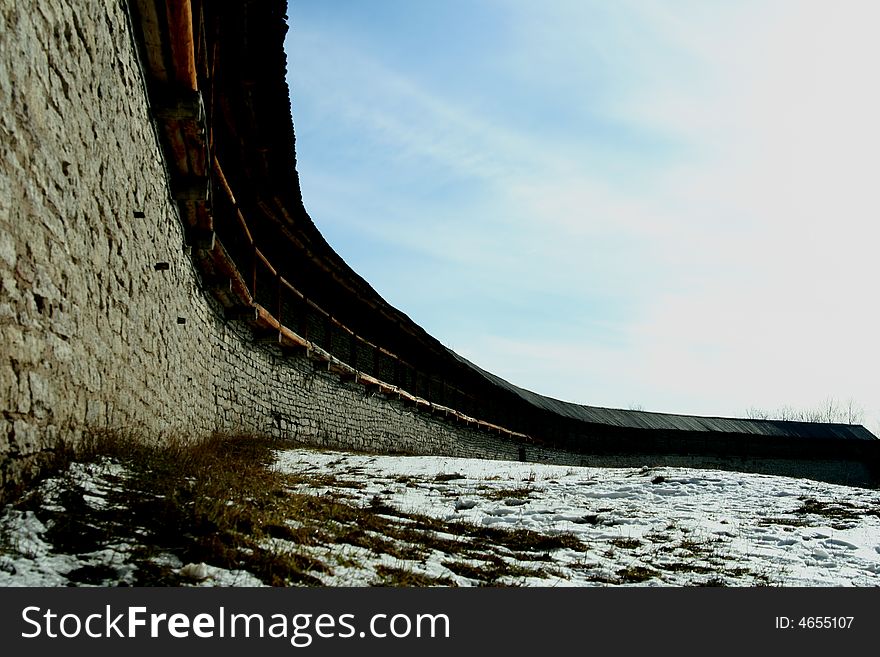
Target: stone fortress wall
(104, 321)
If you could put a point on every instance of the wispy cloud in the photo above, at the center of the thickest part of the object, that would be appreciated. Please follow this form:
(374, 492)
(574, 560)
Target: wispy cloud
(697, 179)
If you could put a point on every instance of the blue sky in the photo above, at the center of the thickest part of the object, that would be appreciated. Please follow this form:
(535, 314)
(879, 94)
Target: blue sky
(664, 204)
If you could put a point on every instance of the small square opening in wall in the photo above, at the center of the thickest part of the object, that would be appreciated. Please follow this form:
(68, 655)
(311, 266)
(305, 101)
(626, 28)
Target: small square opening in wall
(138, 214)
(162, 266)
(181, 320)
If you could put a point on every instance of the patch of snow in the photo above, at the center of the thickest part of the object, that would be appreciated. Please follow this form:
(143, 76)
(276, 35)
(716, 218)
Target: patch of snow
(690, 526)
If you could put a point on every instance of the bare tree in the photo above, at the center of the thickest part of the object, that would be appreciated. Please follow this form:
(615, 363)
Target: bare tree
(830, 411)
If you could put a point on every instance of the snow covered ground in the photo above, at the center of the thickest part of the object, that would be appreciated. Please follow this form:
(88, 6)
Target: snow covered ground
(32, 555)
(649, 527)
(664, 526)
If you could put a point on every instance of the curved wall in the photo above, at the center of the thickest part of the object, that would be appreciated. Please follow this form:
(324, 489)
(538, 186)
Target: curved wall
(105, 323)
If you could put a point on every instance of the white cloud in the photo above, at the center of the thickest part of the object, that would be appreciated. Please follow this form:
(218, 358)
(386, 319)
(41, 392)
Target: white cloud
(739, 227)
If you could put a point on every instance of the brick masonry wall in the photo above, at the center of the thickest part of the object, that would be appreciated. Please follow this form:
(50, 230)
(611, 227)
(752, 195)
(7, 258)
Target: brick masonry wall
(93, 336)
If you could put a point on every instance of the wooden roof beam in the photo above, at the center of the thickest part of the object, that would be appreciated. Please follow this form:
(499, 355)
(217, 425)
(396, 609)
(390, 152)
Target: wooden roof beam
(180, 32)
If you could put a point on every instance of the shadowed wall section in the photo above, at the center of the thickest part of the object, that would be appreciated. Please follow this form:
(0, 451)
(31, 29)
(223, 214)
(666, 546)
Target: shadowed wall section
(161, 277)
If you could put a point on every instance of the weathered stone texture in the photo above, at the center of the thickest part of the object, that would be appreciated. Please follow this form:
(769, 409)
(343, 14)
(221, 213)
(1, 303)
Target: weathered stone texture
(81, 303)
